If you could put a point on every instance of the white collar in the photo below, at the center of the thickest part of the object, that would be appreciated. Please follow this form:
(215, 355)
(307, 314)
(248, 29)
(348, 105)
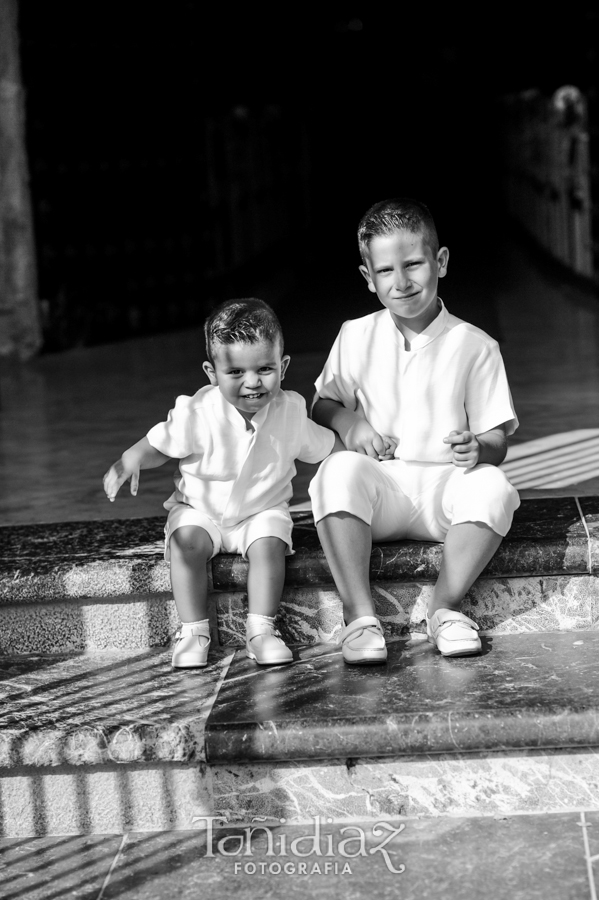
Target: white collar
(432, 331)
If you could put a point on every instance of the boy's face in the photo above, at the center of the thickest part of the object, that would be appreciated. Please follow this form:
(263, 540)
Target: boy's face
(403, 272)
(248, 375)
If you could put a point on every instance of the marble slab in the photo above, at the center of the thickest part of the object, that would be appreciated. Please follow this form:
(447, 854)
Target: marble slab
(547, 537)
(487, 783)
(104, 708)
(498, 605)
(520, 856)
(590, 511)
(41, 563)
(523, 691)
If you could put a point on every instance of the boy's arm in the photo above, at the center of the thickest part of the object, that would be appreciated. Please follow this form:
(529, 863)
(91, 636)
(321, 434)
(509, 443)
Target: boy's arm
(471, 449)
(140, 456)
(355, 432)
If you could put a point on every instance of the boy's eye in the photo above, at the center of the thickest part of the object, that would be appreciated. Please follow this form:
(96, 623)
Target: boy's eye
(266, 368)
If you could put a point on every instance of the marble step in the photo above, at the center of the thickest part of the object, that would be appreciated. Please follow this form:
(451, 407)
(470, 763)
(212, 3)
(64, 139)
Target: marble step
(104, 585)
(116, 742)
(523, 857)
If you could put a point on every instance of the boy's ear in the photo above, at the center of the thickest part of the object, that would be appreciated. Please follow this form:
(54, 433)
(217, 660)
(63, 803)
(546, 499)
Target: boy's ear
(209, 370)
(285, 360)
(366, 274)
(442, 261)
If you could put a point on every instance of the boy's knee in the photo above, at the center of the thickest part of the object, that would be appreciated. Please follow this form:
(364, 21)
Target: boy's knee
(191, 541)
(343, 466)
(493, 482)
(345, 481)
(484, 494)
(267, 547)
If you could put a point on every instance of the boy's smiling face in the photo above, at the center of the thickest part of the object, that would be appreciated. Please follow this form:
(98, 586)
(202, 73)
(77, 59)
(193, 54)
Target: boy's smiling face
(403, 272)
(248, 375)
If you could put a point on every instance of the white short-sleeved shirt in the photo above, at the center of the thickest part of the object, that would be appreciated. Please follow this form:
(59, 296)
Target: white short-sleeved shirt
(231, 472)
(452, 379)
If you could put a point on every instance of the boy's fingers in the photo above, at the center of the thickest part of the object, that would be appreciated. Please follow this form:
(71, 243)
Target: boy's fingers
(379, 445)
(390, 444)
(457, 437)
(134, 483)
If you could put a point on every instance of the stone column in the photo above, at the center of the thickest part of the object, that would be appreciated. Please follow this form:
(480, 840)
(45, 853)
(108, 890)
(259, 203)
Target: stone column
(20, 328)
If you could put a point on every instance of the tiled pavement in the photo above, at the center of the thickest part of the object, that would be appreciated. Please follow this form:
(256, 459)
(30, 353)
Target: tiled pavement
(549, 856)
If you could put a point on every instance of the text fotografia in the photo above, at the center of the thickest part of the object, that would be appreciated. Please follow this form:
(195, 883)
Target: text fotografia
(320, 853)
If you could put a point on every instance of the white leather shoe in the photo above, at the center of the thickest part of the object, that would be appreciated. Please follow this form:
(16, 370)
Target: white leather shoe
(363, 643)
(453, 633)
(191, 649)
(265, 645)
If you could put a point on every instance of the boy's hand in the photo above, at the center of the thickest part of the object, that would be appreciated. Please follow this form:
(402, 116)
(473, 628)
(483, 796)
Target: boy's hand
(117, 475)
(465, 447)
(362, 438)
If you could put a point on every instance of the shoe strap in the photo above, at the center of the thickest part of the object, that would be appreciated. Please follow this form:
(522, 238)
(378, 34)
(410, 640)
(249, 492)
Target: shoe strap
(448, 617)
(193, 631)
(359, 626)
(256, 630)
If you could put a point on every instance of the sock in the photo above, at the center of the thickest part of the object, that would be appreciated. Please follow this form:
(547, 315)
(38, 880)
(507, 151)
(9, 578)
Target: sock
(186, 626)
(255, 619)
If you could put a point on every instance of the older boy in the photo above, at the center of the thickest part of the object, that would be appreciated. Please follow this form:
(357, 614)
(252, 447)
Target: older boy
(236, 440)
(417, 382)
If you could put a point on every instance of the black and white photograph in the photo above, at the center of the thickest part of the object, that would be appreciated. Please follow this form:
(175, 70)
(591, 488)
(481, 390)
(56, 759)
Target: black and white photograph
(299, 451)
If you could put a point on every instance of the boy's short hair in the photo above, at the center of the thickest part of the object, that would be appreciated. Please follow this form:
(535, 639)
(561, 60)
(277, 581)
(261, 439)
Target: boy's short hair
(399, 214)
(245, 321)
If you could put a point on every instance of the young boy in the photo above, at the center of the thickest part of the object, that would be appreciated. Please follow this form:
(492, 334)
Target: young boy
(417, 383)
(236, 440)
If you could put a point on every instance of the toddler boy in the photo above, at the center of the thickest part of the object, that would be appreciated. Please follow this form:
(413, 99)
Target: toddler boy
(412, 382)
(236, 440)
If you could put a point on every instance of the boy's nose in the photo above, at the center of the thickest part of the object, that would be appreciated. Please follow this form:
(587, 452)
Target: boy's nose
(402, 281)
(253, 379)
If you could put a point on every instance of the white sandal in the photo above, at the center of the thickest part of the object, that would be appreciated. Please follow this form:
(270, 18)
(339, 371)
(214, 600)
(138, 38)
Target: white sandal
(453, 633)
(363, 642)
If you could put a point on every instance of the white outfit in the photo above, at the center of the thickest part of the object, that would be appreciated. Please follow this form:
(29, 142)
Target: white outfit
(452, 379)
(235, 481)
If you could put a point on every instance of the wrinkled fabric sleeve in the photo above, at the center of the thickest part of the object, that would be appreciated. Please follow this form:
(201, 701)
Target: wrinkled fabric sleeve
(316, 440)
(174, 437)
(335, 382)
(488, 399)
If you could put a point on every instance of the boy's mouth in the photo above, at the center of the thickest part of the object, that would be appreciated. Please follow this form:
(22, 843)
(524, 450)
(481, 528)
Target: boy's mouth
(252, 396)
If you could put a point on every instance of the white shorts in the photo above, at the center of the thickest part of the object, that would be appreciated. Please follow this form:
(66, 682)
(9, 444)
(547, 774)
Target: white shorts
(275, 522)
(408, 500)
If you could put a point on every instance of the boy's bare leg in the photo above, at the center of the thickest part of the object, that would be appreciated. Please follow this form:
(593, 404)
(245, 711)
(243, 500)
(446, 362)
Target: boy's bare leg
(469, 546)
(190, 548)
(266, 576)
(347, 543)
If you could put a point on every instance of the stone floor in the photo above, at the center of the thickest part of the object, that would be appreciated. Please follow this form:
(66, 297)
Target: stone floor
(553, 856)
(66, 417)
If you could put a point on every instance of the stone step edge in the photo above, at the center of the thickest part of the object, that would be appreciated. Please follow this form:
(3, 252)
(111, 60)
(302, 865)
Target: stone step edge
(501, 606)
(105, 579)
(133, 743)
(397, 735)
(126, 740)
(115, 799)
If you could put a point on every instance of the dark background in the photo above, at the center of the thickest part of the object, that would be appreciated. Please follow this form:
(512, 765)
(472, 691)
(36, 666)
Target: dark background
(181, 154)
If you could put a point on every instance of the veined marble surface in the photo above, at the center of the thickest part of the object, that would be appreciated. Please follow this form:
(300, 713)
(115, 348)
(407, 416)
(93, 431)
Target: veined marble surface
(427, 785)
(530, 690)
(104, 708)
(109, 559)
